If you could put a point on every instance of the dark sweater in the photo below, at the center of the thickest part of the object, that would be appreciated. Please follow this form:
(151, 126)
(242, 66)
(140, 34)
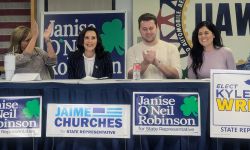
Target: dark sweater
(102, 67)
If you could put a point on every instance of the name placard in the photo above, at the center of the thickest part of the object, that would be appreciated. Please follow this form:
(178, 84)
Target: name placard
(163, 113)
(88, 120)
(20, 116)
(230, 104)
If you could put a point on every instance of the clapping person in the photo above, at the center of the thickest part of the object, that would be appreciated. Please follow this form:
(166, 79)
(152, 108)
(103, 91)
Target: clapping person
(158, 59)
(29, 58)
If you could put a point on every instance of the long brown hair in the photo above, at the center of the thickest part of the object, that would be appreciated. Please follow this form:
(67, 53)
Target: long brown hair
(19, 34)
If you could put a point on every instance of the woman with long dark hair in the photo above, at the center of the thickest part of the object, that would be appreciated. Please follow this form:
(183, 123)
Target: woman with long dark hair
(89, 59)
(208, 52)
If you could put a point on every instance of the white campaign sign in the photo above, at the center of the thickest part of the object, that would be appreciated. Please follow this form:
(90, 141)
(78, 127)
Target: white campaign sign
(88, 120)
(230, 105)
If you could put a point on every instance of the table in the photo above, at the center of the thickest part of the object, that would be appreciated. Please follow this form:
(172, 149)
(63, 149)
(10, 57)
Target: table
(113, 92)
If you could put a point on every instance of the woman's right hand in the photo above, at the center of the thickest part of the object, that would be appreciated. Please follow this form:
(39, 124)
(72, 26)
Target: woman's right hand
(34, 29)
(34, 35)
(47, 33)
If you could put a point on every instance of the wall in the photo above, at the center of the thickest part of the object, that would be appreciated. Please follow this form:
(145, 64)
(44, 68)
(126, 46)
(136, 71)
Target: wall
(79, 5)
(127, 5)
(86, 5)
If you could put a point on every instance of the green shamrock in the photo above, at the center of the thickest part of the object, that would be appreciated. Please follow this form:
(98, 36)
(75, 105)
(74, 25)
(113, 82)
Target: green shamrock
(190, 106)
(113, 36)
(185, 73)
(32, 109)
(61, 40)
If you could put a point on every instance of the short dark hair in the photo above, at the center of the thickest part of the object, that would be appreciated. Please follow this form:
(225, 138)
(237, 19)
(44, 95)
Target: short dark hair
(147, 17)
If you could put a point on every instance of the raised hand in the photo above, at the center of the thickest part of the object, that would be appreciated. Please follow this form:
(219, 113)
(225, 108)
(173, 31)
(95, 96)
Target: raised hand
(47, 32)
(34, 29)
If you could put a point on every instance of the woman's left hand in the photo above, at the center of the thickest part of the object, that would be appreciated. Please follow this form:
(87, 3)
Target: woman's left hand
(47, 32)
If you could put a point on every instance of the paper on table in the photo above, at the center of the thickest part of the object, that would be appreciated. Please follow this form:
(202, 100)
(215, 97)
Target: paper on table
(26, 77)
(93, 78)
(206, 79)
(89, 78)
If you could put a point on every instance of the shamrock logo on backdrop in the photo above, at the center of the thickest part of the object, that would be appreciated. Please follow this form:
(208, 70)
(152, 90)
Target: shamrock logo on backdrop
(32, 109)
(113, 36)
(190, 106)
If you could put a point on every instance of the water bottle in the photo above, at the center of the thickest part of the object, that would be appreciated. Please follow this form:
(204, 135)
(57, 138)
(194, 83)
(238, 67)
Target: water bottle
(137, 71)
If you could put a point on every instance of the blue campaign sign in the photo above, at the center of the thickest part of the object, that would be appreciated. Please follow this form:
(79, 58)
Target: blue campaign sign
(165, 113)
(164, 107)
(67, 25)
(20, 116)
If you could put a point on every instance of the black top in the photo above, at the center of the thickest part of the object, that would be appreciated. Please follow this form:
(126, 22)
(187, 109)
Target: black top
(102, 66)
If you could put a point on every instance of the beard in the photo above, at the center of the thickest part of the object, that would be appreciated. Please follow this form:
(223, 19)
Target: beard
(150, 39)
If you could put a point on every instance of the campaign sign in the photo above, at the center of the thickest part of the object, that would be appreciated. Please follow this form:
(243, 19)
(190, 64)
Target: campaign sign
(230, 104)
(88, 120)
(20, 116)
(165, 113)
(111, 26)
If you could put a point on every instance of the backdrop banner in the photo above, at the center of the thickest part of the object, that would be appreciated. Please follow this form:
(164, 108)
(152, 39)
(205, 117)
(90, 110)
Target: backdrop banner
(67, 25)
